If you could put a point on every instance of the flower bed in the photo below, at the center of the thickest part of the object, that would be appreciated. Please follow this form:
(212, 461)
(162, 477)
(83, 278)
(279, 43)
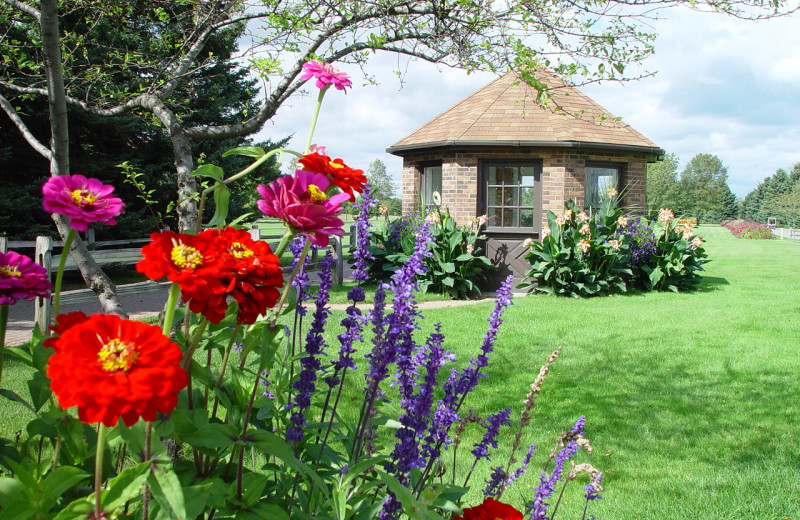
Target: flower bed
(748, 229)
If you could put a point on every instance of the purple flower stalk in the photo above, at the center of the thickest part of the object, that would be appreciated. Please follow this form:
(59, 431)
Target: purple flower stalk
(300, 281)
(592, 491)
(362, 253)
(481, 450)
(458, 385)
(314, 347)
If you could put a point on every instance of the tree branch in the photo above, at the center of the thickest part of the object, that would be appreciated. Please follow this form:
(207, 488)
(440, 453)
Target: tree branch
(24, 130)
(29, 9)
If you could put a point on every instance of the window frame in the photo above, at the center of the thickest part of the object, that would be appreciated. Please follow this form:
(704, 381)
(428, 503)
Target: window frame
(483, 195)
(428, 205)
(608, 165)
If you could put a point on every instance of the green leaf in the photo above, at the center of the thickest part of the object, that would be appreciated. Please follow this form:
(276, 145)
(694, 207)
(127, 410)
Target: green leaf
(466, 257)
(247, 151)
(125, 487)
(166, 489)
(60, 480)
(222, 197)
(12, 396)
(210, 171)
(39, 387)
(449, 267)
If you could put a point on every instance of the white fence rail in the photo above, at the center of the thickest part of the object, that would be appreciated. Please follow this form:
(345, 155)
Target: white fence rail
(43, 249)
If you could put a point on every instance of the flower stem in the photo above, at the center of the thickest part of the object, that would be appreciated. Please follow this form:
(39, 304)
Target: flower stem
(169, 313)
(287, 237)
(60, 273)
(314, 118)
(288, 286)
(98, 469)
(3, 322)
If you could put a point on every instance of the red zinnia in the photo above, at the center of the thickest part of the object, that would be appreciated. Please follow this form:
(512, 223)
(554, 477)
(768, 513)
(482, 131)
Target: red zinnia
(62, 323)
(21, 277)
(111, 368)
(195, 263)
(253, 276)
(491, 509)
(343, 176)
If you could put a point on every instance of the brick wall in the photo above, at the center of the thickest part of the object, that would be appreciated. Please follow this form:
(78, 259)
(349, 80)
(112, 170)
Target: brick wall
(563, 176)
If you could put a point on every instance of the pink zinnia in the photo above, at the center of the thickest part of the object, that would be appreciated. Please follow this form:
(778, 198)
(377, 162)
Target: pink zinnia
(81, 199)
(301, 202)
(21, 278)
(326, 74)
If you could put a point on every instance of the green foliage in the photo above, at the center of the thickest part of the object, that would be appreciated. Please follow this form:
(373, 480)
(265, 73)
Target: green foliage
(663, 190)
(704, 190)
(456, 266)
(585, 255)
(582, 255)
(679, 256)
(777, 196)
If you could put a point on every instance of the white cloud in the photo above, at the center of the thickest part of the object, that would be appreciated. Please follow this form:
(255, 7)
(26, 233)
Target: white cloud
(724, 86)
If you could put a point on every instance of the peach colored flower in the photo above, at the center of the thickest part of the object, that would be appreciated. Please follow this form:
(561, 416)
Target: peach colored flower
(586, 229)
(528, 242)
(470, 248)
(434, 217)
(560, 220)
(482, 220)
(384, 210)
(546, 232)
(612, 192)
(666, 215)
(696, 242)
(614, 244)
(584, 245)
(622, 221)
(582, 216)
(568, 215)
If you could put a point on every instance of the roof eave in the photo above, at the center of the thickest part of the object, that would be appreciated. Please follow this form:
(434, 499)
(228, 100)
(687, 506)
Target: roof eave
(403, 149)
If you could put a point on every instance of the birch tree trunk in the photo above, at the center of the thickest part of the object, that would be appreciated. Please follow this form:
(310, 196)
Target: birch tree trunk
(94, 277)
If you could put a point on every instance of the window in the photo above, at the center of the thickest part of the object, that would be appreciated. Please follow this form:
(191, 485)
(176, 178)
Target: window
(513, 196)
(599, 179)
(431, 187)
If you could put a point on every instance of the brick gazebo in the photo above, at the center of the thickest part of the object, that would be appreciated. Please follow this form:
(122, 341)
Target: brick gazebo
(497, 152)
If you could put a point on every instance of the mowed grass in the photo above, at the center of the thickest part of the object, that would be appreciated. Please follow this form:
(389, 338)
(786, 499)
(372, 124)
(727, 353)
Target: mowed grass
(692, 399)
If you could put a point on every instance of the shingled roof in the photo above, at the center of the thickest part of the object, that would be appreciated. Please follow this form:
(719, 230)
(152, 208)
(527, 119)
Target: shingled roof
(504, 113)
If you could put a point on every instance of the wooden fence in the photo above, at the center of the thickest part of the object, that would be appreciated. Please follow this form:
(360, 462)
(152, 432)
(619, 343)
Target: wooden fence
(43, 249)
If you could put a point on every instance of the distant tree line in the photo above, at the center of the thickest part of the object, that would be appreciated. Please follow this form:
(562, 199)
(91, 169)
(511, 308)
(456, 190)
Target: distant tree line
(701, 191)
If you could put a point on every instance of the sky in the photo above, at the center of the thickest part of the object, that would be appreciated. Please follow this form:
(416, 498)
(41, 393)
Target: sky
(722, 86)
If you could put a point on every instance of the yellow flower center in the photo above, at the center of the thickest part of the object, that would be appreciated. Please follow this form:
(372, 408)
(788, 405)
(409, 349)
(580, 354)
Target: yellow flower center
(83, 198)
(316, 194)
(9, 271)
(117, 355)
(239, 250)
(335, 165)
(184, 256)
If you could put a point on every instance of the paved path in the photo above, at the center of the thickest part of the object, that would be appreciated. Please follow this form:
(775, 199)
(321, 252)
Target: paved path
(20, 315)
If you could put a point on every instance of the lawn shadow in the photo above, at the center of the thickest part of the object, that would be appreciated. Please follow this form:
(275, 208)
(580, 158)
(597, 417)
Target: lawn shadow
(712, 283)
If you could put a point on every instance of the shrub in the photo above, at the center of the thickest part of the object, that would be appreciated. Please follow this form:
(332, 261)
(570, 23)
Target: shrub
(583, 255)
(679, 256)
(580, 255)
(748, 229)
(456, 262)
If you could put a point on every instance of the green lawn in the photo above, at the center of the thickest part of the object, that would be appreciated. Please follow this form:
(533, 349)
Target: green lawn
(691, 399)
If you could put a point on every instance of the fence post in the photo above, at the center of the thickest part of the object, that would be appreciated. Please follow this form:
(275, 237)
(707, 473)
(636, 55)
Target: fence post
(3, 245)
(338, 273)
(90, 235)
(42, 307)
(255, 232)
(353, 236)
